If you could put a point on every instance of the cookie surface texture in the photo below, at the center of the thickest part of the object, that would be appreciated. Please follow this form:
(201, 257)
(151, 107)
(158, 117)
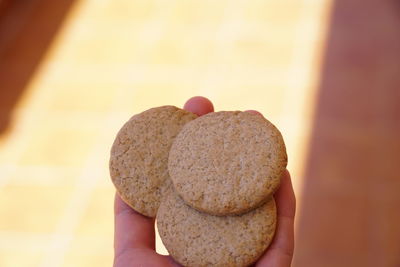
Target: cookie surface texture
(227, 162)
(195, 238)
(139, 156)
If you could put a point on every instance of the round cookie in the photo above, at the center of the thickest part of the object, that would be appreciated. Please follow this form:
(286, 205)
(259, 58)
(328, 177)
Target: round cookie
(139, 156)
(227, 162)
(194, 238)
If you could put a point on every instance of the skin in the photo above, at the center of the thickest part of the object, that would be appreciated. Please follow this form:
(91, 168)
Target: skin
(134, 239)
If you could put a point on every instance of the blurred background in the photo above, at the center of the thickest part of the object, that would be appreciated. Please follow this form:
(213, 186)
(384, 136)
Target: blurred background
(326, 72)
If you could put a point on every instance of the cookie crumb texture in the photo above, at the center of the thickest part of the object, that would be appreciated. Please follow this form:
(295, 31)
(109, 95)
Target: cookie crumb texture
(139, 156)
(227, 162)
(194, 238)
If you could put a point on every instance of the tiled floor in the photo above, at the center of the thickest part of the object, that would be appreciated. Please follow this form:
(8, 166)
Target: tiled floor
(114, 58)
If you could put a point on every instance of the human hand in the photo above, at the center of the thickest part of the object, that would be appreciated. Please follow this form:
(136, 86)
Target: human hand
(134, 236)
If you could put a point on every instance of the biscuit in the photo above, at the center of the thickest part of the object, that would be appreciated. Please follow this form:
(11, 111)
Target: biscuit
(227, 162)
(194, 238)
(139, 156)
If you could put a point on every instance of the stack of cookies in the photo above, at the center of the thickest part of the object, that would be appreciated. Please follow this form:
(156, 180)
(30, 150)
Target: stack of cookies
(208, 180)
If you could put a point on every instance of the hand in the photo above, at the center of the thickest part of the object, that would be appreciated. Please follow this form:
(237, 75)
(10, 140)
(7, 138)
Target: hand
(134, 240)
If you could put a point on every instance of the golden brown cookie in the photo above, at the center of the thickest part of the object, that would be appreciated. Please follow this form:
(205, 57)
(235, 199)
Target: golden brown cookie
(194, 238)
(227, 162)
(139, 156)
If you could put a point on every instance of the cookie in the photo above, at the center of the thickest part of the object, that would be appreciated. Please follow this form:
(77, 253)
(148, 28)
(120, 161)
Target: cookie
(194, 238)
(227, 162)
(139, 156)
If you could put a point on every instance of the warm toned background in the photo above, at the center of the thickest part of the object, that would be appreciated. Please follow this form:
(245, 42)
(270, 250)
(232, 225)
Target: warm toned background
(325, 72)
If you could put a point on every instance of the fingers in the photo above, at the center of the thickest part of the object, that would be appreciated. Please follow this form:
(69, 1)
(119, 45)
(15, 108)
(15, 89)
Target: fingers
(199, 105)
(280, 252)
(132, 230)
(285, 198)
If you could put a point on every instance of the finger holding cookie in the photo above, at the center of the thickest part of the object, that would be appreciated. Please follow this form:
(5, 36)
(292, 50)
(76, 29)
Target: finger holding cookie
(217, 182)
